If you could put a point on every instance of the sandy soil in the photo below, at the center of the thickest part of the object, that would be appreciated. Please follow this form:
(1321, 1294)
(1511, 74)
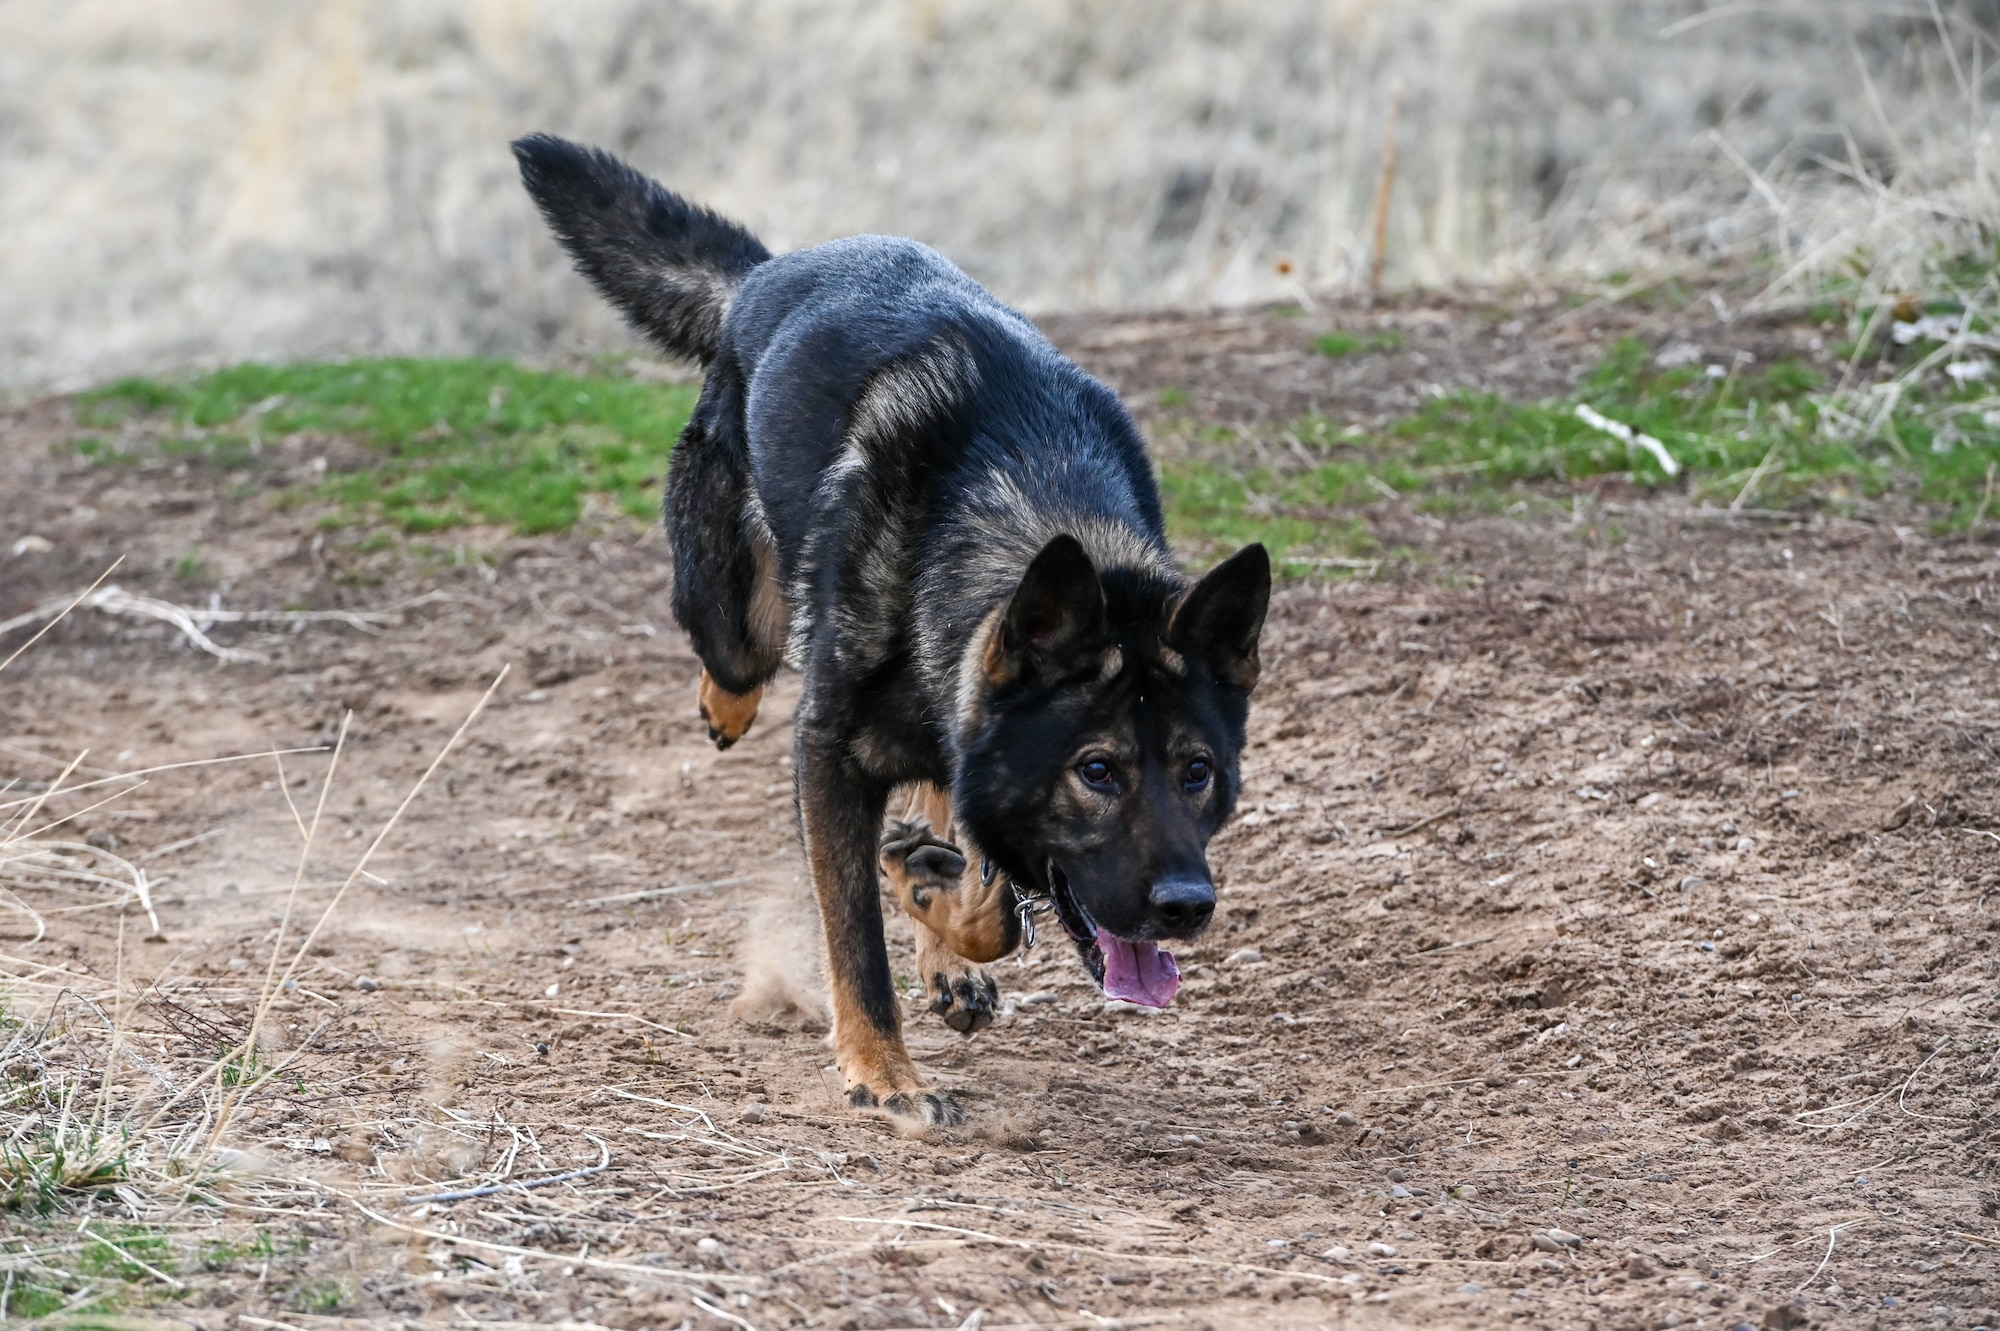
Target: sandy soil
(1618, 876)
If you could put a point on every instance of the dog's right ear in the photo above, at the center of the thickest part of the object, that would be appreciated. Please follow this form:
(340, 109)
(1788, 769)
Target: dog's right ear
(1055, 620)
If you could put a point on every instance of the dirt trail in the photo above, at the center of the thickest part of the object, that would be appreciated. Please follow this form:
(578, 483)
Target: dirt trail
(1637, 890)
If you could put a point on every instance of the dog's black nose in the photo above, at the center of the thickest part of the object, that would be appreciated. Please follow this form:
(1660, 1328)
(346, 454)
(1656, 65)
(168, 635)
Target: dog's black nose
(1182, 905)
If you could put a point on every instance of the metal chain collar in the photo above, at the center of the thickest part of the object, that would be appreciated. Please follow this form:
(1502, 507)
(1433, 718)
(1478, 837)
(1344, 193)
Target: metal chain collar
(1026, 906)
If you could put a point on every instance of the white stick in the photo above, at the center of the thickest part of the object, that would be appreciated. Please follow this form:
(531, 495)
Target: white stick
(1631, 437)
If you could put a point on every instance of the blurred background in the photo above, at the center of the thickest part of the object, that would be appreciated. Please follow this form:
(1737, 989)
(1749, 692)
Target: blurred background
(191, 182)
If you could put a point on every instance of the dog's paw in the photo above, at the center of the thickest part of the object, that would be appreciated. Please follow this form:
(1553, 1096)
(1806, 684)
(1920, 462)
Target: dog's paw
(933, 1109)
(964, 995)
(727, 715)
(919, 862)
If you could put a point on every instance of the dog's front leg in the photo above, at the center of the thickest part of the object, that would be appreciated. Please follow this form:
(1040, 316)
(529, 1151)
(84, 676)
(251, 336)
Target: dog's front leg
(840, 811)
(962, 914)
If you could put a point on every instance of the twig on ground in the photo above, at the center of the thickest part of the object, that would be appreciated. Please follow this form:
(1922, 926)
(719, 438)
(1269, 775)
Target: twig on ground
(54, 619)
(1831, 1235)
(1045, 1245)
(1633, 438)
(1738, 505)
(714, 1311)
(191, 621)
(1449, 947)
(624, 1016)
(1422, 823)
(1903, 1095)
(669, 1273)
(652, 892)
(516, 1185)
(1314, 561)
(146, 771)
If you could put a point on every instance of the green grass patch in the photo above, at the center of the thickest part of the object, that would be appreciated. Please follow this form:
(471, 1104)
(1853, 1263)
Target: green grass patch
(437, 444)
(450, 442)
(1212, 510)
(42, 1172)
(86, 1272)
(1337, 345)
(319, 1296)
(1766, 436)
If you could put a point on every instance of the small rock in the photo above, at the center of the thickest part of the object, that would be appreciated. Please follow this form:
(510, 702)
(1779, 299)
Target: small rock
(1691, 882)
(552, 990)
(1277, 1243)
(1639, 1266)
(367, 984)
(1465, 1192)
(1397, 1176)
(238, 964)
(1469, 1288)
(1744, 845)
(1345, 1119)
(1243, 956)
(33, 545)
(1337, 1253)
(1381, 1250)
(1398, 1191)
(1555, 1240)
(754, 1112)
(1037, 998)
(708, 1247)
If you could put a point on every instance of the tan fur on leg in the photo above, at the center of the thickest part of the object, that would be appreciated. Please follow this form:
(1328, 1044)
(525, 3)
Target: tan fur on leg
(867, 1026)
(728, 714)
(958, 990)
(970, 918)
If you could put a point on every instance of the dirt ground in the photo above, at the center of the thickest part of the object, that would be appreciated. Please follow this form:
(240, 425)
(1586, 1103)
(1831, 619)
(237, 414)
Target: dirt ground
(1617, 876)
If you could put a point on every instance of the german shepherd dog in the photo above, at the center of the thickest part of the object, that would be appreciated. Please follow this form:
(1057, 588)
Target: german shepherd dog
(895, 484)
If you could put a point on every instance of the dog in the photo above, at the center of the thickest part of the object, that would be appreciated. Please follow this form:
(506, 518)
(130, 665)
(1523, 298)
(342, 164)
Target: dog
(895, 484)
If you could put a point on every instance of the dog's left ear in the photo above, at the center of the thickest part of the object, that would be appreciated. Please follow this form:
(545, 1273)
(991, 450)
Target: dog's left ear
(1221, 617)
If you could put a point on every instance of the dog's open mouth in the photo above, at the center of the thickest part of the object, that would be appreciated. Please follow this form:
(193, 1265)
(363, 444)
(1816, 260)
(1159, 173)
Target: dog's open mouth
(1135, 970)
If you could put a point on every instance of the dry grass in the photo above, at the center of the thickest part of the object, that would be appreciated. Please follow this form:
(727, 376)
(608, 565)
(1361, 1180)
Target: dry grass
(115, 1099)
(1072, 156)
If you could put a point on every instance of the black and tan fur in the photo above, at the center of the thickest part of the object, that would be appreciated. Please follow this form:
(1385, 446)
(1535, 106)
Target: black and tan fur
(894, 483)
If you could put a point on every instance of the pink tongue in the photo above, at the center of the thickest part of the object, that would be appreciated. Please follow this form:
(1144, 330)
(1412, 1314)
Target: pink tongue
(1138, 972)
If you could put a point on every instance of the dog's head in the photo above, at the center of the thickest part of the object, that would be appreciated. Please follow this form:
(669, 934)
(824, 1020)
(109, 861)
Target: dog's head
(1102, 728)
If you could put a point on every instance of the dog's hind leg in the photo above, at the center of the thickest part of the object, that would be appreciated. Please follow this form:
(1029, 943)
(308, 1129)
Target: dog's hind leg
(840, 811)
(962, 915)
(727, 593)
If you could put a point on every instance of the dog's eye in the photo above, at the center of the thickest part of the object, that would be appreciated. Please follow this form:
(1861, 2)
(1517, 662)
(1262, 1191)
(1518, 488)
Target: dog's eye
(1096, 773)
(1196, 776)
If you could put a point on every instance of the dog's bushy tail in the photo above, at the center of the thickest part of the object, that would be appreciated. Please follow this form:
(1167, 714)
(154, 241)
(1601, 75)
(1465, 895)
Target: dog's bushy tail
(671, 266)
